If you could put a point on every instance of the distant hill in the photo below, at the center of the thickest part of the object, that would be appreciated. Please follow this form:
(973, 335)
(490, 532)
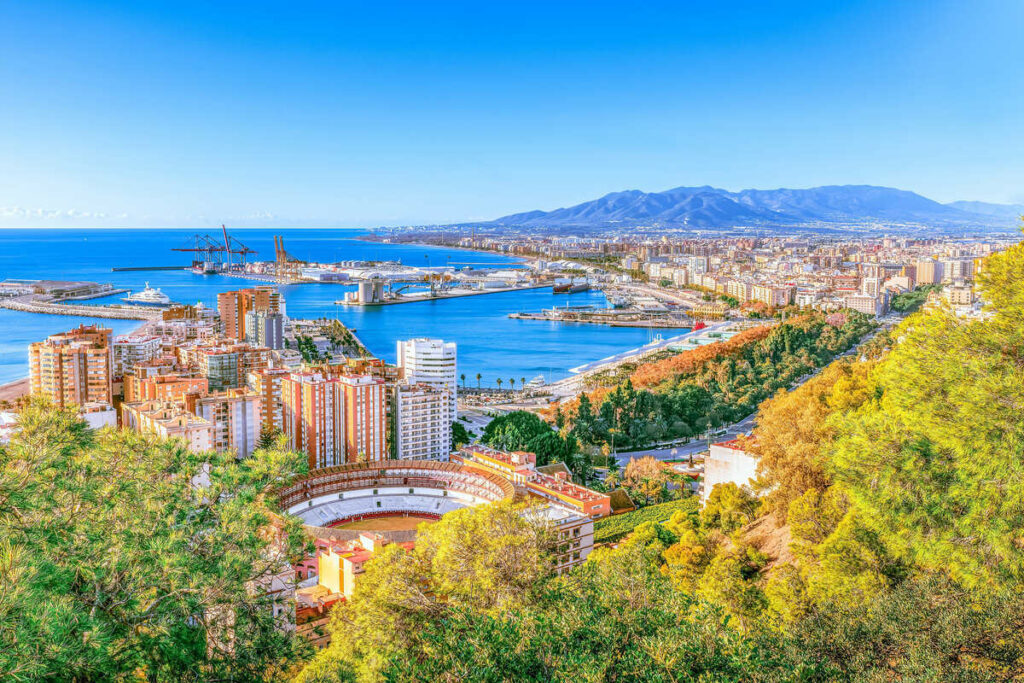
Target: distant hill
(1008, 211)
(710, 207)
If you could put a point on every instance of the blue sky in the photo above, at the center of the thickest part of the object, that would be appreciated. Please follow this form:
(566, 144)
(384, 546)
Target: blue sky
(378, 113)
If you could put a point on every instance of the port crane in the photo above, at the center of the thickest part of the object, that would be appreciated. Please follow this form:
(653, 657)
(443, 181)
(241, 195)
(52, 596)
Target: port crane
(212, 255)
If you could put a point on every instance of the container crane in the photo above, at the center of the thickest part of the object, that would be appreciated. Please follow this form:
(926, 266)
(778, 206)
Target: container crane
(212, 255)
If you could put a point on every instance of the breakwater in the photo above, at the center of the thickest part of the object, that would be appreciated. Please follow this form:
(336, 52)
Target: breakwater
(53, 308)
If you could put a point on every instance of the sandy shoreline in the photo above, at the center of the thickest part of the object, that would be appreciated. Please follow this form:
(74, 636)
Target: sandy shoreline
(14, 390)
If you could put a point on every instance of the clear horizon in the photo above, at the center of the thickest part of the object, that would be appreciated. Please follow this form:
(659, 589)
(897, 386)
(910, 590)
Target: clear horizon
(171, 114)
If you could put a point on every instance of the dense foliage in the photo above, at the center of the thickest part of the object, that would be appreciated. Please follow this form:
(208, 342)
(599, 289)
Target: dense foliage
(123, 557)
(648, 481)
(460, 435)
(908, 302)
(520, 430)
(717, 384)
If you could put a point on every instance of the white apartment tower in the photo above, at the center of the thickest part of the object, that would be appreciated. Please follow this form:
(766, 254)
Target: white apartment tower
(423, 422)
(430, 361)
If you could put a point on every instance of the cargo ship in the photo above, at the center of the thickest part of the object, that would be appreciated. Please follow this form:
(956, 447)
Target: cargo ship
(570, 286)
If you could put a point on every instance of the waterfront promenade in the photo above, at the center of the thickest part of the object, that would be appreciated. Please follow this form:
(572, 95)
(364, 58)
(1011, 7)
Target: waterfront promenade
(571, 386)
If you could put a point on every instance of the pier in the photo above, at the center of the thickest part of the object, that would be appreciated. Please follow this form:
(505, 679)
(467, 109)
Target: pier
(428, 296)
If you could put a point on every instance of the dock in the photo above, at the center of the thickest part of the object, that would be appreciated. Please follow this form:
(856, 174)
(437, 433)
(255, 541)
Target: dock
(410, 299)
(127, 269)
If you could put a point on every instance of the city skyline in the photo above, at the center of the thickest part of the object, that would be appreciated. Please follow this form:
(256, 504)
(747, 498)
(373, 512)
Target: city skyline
(150, 115)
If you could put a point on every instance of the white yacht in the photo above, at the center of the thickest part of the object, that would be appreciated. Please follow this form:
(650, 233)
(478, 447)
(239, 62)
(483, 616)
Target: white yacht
(149, 296)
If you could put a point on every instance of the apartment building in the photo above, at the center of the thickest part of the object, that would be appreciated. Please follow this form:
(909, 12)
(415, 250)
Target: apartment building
(226, 366)
(130, 350)
(431, 361)
(773, 295)
(263, 328)
(73, 368)
(173, 386)
(312, 418)
(168, 420)
(365, 414)
(266, 383)
(335, 420)
(423, 424)
(233, 307)
(235, 416)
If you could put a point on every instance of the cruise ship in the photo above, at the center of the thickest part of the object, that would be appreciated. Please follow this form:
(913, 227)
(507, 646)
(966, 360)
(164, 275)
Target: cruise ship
(148, 297)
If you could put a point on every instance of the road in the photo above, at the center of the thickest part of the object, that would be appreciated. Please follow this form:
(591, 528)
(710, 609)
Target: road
(681, 451)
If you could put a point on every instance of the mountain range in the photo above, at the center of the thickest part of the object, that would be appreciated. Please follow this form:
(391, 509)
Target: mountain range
(711, 207)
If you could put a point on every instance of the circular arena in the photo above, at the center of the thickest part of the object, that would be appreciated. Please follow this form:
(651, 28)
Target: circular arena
(339, 496)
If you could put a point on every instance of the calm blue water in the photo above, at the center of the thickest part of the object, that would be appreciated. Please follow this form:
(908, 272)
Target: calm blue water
(489, 342)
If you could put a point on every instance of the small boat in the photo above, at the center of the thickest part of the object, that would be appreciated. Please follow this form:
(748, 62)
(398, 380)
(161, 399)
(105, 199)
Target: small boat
(148, 297)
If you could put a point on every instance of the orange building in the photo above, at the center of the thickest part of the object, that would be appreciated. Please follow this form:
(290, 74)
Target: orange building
(169, 387)
(335, 420)
(366, 422)
(312, 418)
(233, 306)
(266, 383)
(75, 367)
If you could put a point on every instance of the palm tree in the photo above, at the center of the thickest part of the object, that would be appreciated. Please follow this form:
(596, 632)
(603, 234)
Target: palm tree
(522, 382)
(478, 376)
(463, 378)
(499, 384)
(512, 383)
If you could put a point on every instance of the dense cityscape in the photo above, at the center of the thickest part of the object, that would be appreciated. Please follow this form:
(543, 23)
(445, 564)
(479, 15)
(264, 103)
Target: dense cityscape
(501, 342)
(389, 447)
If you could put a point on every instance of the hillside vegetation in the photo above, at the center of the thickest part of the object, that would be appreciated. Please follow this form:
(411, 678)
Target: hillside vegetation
(687, 393)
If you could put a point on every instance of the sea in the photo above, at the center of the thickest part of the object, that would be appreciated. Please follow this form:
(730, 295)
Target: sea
(489, 342)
